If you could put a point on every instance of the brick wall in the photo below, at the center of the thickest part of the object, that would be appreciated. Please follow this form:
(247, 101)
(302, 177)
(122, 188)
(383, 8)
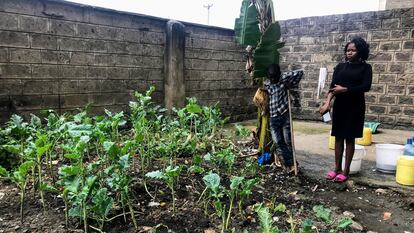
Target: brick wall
(393, 4)
(62, 55)
(214, 71)
(316, 42)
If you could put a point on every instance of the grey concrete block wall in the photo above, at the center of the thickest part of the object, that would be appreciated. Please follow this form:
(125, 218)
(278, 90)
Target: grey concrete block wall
(214, 71)
(61, 55)
(316, 42)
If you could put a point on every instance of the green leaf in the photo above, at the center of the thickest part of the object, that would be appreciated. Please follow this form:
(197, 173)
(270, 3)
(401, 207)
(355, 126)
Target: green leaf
(246, 27)
(3, 172)
(13, 149)
(70, 170)
(35, 121)
(48, 187)
(193, 108)
(75, 211)
(155, 175)
(322, 213)
(307, 226)
(25, 167)
(72, 156)
(212, 180)
(248, 186)
(265, 219)
(196, 169)
(235, 182)
(76, 130)
(172, 171)
(281, 208)
(266, 52)
(41, 150)
(344, 223)
(207, 157)
(103, 203)
(124, 161)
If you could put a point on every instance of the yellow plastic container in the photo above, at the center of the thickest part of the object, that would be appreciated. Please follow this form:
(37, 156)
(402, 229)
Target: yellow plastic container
(331, 142)
(366, 139)
(405, 170)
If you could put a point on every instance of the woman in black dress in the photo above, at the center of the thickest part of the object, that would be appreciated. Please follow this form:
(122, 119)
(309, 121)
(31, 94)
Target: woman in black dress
(350, 81)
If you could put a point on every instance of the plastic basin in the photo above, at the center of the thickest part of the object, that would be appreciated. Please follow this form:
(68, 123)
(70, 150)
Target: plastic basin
(387, 156)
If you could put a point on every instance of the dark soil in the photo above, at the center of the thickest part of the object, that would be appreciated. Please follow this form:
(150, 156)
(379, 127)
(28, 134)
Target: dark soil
(299, 194)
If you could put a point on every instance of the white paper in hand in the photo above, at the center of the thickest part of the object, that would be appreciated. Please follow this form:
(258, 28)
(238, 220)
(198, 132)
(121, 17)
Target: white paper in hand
(326, 117)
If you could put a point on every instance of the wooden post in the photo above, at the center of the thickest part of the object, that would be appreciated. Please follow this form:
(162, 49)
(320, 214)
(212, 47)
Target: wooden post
(291, 135)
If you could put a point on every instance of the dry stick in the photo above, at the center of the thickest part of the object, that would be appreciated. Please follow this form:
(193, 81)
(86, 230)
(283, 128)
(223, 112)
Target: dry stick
(292, 136)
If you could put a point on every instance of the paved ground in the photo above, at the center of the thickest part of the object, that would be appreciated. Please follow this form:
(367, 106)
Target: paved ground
(315, 158)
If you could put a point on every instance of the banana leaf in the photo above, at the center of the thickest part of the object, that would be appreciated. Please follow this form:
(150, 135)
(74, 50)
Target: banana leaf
(246, 27)
(266, 52)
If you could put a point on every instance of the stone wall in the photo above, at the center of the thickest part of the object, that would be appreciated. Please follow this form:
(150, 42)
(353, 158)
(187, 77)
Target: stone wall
(62, 55)
(394, 4)
(316, 42)
(214, 71)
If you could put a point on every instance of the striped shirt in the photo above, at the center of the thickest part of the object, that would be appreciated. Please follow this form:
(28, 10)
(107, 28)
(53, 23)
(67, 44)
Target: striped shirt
(278, 94)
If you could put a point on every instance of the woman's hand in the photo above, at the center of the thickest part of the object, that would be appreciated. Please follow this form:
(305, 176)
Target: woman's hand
(324, 108)
(337, 89)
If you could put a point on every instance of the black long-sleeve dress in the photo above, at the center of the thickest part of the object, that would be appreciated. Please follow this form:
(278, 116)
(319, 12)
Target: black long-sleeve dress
(349, 107)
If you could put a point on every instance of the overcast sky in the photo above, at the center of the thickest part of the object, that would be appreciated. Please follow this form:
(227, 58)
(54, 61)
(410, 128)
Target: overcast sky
(223, 12)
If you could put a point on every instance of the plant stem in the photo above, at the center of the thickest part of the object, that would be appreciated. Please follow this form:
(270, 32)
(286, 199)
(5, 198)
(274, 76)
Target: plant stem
(65, 199)
(143, 175)
(223, 218)
(131, 210)
(85, 223)
(123, 208)
(228, 215)
(173, 198)
(21, 203)
(202, 195)
(39, 166)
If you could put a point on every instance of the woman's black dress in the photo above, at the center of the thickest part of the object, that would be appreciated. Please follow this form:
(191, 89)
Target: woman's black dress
(349, 107)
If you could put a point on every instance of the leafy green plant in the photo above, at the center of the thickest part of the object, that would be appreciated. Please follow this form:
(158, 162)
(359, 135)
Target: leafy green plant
(147, 120)
(235, 183)
(119, 179)
(41, 147)
(169, 175)
(224, 158)
(102, 204)
(265, 220)
(241, 130)
(247, 186)
(196, 165)
(323, 213)
(342, 225)
(215, 193)
(20, 178)
(306, 226)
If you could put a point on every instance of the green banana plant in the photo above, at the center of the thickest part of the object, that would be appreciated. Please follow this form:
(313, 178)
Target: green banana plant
(257, 29)
(257, 20)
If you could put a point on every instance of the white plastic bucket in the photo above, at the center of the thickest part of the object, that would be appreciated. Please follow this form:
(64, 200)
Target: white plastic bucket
(387, 156)
(355, 166)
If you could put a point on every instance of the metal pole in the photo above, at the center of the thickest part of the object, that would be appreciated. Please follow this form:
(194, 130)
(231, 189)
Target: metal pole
(208, 12)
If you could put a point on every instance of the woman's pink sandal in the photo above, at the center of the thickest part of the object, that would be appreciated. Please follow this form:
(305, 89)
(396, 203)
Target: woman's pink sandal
(341, 178)
(331, 175)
